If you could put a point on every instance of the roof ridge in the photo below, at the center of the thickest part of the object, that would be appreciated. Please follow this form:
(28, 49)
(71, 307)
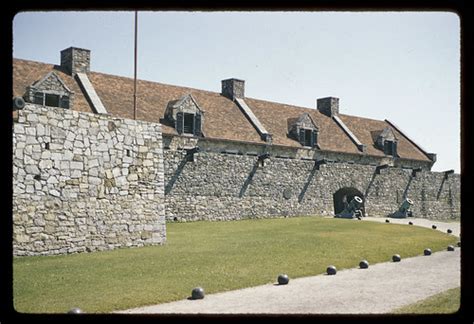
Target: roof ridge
(26, 60)
(281, 103)
(356, 116)
(154, 82)
(125, 77)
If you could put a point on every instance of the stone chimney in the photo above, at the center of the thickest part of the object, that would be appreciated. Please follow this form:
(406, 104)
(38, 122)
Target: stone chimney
(328, 106)
(75, 60)
(233, 88)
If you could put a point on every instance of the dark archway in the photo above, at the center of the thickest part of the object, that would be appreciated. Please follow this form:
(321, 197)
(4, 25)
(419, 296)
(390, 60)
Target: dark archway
(343, 196)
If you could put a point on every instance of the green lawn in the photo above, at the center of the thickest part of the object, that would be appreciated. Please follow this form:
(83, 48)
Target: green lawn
(443, 303)
(218, 256)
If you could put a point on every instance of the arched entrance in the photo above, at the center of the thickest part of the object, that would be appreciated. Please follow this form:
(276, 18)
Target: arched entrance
(343, 197)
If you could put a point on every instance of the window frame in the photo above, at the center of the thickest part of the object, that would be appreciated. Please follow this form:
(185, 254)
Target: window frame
(180, 123)
(313, 137)
(50, 99)
(308, 137)
(63, 99)
(390, 148)
(188, 123)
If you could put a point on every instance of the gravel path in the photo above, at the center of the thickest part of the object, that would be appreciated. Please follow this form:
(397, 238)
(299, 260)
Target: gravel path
(379, 289)
(455, 227)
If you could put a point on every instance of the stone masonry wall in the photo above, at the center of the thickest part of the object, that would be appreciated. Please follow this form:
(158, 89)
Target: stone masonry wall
(218, 186)
(85, 182)
(76, 60)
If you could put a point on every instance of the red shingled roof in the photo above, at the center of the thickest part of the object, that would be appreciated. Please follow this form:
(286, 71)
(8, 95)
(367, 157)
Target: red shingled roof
(222, 119)
(25, 73)
(365, 128)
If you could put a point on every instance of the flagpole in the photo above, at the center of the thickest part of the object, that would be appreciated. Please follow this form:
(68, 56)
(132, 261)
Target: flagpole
(135, 71)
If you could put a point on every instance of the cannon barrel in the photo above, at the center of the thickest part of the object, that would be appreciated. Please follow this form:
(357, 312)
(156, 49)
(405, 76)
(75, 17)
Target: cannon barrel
(355, 203)
(193, 150)
(190, 153)
(404, 209)
(405, 205)
(263, 156)
(351, 209)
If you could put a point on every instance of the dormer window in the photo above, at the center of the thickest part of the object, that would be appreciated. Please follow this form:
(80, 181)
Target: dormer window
(50, 91)
(186, 115)
(390, 148)
(308, 137)
(386, 141)
(304, 130)
(187, 123)
(51, 99)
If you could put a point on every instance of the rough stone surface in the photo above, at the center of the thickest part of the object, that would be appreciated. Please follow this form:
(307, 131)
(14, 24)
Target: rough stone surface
(233, 88)
(84, 197)
(221, 186)
(75, 60)
(116, 166)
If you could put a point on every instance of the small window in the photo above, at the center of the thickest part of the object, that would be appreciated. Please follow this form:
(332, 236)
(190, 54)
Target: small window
(308, 137)
(38, 98)
(188, 127)
(188, 123)
(390, 148)
(51, 100)
(64, 103)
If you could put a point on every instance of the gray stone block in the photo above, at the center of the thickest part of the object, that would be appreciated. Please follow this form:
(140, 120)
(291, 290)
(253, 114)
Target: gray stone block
(32, 169)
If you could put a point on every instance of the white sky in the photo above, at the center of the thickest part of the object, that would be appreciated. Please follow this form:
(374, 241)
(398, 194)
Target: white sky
(404, 67)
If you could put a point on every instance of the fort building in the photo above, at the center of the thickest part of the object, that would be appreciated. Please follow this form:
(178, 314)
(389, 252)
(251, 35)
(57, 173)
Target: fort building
(87, 176)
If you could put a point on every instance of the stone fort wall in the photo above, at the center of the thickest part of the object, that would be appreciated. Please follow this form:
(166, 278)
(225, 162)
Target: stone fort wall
(85, 182)
(218, 186)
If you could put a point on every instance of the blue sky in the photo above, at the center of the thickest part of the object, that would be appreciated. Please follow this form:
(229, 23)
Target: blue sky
(400, 66)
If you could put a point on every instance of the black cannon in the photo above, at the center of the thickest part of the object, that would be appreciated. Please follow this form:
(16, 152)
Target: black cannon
(18, 103)
(262, 157)
(190, 153)
(404, 210)
(352, 209)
